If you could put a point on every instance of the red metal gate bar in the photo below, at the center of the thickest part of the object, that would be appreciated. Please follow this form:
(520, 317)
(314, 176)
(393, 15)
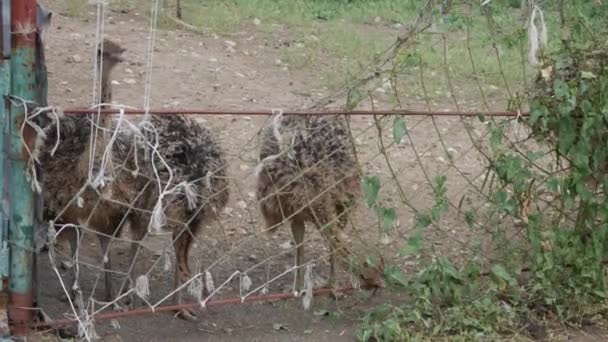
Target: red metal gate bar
(194, 111)
(219, 302)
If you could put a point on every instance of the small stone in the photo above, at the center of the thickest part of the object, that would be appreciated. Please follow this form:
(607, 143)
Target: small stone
(278, 326)
(230, 43)
(74, 59)
(129, 81)
(241, 204)
(257, 22)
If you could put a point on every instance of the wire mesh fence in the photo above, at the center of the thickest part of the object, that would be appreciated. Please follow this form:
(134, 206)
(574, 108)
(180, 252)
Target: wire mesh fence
(407, 185)
(165, 205)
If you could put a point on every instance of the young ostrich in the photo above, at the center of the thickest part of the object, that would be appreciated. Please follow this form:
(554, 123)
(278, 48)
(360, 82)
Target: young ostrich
(188, 161)
(308, 173)
(197, 168)
(198, 173)
(65, 172)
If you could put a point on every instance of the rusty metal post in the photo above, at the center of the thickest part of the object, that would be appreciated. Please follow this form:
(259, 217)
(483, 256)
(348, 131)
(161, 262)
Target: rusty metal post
(23, 82)
(5, 86)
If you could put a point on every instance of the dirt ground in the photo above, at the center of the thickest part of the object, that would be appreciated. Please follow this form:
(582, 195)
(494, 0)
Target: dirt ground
(244, 72)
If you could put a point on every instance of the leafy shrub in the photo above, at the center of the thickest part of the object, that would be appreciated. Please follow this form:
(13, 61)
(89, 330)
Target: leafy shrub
(566, 236)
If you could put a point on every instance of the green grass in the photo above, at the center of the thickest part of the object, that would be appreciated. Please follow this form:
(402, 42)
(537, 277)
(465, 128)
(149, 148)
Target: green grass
(123, 4)
(221, 15)
(334, 50)
(335, 38)
(330, 36)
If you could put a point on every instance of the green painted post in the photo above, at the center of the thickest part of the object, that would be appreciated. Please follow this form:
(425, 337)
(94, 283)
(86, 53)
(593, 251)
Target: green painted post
(21, 237)
(5, 82)
(5, 87)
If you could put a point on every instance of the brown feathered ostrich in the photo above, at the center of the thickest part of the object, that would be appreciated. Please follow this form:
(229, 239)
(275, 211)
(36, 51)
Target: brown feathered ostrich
(189, 160)
(308, 173)
(68, 199)
(183, 156)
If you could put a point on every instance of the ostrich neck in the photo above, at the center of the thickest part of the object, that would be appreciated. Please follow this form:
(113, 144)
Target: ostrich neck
(106, 97)
(106, 87)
